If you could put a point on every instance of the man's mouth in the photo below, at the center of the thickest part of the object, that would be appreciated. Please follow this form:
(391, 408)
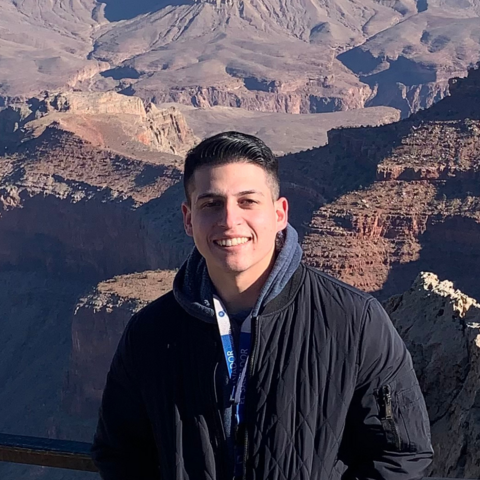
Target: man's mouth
(231, 242)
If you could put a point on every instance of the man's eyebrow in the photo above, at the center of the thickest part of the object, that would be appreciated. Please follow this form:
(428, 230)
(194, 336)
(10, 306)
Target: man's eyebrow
(209, 195)
(219, 195)
(249, 192)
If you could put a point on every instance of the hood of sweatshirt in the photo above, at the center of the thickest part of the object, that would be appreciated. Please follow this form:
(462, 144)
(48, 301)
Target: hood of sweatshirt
(194, 290)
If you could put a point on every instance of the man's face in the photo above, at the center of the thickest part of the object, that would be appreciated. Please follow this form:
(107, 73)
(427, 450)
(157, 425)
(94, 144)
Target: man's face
(234, 219)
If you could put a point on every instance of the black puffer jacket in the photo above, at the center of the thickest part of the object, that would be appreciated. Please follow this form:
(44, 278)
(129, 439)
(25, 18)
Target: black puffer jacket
(331, 393)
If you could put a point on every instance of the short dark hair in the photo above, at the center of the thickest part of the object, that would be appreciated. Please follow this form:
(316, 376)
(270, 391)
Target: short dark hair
(231, 147)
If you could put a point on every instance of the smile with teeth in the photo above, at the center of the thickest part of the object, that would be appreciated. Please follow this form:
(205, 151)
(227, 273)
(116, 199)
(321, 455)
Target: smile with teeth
(231, 242)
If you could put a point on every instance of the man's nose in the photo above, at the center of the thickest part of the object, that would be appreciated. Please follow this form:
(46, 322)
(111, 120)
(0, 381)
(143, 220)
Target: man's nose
(231, 215)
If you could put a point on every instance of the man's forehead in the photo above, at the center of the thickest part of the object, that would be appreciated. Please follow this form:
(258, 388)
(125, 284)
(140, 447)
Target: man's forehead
(239, 176)
(231, 178)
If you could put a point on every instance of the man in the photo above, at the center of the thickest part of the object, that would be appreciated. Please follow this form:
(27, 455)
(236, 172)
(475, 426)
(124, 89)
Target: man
(256, 366)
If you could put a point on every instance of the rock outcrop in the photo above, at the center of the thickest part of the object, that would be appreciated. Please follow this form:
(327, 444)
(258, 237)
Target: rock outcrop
(107, 120)
(441, 327)
(98, 322)
(109, 103)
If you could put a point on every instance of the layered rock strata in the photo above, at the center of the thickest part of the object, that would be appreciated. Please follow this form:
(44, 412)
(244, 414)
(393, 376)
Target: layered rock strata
(69, 207)
(409, 200)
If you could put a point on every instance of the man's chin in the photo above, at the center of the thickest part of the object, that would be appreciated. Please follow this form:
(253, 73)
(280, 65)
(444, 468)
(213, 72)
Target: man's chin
(229, 268)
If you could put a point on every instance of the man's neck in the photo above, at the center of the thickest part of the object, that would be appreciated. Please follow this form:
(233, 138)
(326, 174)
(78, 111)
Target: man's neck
(240, 293)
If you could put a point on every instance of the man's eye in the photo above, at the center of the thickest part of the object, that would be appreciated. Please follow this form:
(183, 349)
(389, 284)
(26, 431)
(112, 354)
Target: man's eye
(212, 204)
(248, 201)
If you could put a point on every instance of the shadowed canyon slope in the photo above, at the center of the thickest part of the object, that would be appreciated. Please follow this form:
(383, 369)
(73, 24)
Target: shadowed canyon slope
(71, 215)
(302, 56)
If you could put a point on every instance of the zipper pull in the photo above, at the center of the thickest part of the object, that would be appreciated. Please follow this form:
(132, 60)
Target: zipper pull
(387, 401)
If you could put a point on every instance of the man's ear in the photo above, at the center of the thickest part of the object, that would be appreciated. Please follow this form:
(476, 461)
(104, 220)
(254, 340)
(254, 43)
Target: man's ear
(187, 219)
(281, 209)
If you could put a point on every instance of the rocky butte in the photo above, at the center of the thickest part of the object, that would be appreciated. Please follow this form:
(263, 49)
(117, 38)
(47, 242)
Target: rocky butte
(107, 120)
(441, 327)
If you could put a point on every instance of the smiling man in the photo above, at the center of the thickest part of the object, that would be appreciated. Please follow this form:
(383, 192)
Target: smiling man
(234, 215)
(256, 366)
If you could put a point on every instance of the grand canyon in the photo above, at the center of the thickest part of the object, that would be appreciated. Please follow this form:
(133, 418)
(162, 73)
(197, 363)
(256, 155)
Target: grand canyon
(373, 108)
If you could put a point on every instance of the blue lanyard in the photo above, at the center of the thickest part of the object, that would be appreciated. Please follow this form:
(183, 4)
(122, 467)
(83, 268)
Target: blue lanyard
(237, 365)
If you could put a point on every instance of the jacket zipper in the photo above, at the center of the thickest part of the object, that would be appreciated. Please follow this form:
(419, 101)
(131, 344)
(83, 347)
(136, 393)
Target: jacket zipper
(255, 323)
(220, 430)
(384, 398)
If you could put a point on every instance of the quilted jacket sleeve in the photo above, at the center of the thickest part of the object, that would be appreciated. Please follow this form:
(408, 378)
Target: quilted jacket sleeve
(387, 433)
(123, 447)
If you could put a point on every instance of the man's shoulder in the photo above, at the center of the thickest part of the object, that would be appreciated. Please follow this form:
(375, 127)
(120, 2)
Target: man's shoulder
(330, 288)
(156, 314)
(166, 302)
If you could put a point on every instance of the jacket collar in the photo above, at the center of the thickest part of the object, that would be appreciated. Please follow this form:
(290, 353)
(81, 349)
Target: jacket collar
(287, 295)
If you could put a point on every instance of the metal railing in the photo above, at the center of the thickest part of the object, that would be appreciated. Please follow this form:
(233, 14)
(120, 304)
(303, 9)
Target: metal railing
(46, 452)
(54, 453)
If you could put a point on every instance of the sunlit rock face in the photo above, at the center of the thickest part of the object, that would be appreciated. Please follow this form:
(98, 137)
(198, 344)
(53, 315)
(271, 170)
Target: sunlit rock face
(441, 327)
(103, 119)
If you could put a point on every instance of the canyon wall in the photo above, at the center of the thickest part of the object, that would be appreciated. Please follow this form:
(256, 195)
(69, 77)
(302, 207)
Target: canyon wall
(59, 214)
(414, 204)
(71, 215)
(302, 99)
